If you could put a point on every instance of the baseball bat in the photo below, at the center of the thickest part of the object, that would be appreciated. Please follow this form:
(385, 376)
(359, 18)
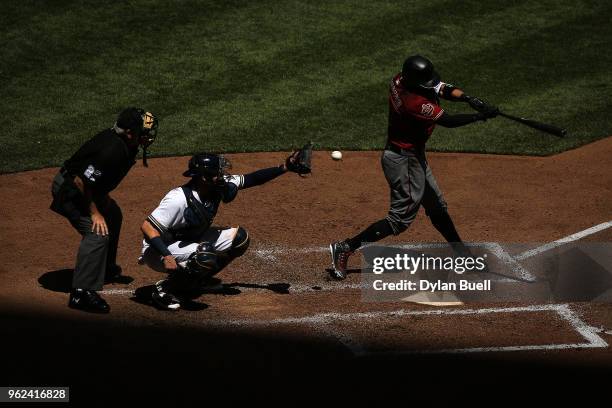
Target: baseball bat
(553, 130)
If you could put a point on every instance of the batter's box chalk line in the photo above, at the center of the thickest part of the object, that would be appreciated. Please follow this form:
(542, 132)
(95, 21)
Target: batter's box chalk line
(323, 323)
(272, 253)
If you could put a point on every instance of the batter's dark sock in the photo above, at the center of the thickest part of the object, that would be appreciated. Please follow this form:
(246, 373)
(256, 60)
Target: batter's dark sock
(444, 224)
(375, 232)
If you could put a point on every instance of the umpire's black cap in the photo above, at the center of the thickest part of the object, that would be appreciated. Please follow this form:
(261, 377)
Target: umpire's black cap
(130, 118)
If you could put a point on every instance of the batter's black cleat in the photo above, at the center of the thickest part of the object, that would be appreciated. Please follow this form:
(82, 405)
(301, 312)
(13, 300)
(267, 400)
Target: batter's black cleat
(340, 252)
(163, 299)
(88, 301)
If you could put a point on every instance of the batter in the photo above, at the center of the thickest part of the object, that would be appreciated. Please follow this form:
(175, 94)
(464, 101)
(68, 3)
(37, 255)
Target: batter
(414, 111)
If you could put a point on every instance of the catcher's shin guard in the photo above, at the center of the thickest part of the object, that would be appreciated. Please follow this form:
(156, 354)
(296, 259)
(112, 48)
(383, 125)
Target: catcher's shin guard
(240, 244)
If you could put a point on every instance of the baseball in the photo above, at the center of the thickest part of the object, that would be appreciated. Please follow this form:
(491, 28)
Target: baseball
(336, 155)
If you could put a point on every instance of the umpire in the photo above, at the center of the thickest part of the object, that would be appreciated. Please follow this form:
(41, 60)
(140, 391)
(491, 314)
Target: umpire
(81, 194)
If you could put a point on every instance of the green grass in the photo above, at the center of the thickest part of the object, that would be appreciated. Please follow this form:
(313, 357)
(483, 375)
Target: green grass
(270, 75)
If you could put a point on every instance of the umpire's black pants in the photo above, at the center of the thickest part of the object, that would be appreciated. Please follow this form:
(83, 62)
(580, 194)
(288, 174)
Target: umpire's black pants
(96, 253)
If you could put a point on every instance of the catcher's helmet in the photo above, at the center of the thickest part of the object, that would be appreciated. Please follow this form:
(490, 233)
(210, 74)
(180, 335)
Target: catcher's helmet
(143, 124)
(418, 71)
(207, 165)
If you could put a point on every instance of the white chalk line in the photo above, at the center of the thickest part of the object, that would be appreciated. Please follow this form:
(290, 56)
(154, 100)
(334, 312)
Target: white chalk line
(293, 288)
(587, 332)
(327, 319)
(565, 240)
(270, 254)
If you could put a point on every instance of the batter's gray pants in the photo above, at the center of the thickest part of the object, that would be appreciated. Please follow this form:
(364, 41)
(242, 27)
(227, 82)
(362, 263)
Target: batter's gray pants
(96, 252)
(412, 184)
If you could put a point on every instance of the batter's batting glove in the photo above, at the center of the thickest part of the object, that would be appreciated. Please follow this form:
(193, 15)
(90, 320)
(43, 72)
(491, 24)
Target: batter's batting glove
(300, 161)
(476, 103)
(488, 111)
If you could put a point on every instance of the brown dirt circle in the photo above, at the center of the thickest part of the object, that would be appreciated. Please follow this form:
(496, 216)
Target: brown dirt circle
(491, 198)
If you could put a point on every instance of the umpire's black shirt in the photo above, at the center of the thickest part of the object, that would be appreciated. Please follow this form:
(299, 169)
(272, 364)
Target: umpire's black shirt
(102, 162)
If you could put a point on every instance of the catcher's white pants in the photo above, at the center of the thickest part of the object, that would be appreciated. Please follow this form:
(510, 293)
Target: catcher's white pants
(181, 250)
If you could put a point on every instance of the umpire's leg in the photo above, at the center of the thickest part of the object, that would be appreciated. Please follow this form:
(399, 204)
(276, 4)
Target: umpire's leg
(114, 218)
(91, 256)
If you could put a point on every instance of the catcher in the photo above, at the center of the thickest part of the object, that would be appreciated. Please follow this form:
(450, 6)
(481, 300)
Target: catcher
(179, 236)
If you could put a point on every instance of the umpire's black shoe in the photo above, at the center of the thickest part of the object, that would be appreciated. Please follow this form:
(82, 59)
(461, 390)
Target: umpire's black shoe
(87, 300)
(340, 252)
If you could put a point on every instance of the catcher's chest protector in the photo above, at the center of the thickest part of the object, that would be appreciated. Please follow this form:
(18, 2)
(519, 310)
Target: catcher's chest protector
(198, 215)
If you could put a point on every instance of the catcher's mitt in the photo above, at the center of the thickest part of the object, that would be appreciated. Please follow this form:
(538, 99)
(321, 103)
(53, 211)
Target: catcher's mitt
(300, 161)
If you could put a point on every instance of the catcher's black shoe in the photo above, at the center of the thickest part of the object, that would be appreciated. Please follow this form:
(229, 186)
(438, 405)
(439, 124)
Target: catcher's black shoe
(87, 300)
(163, 299)
(340, 252)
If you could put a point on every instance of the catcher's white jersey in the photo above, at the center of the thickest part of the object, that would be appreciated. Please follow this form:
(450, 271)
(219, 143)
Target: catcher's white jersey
(170, 213)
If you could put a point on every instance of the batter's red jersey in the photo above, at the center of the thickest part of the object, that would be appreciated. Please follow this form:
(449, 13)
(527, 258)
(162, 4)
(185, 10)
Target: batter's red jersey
(411, 116)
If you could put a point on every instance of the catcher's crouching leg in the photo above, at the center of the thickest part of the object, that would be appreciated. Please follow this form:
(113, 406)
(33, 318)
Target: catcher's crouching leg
(240, 244)
(188, 278)
(203, 264)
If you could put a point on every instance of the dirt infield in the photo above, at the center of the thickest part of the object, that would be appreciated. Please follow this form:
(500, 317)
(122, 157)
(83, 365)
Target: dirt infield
(277, 308)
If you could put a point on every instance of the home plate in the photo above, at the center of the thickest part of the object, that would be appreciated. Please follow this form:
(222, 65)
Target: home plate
(434, 299)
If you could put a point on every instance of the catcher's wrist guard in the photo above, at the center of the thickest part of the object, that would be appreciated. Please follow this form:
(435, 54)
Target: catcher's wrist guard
(159, 245)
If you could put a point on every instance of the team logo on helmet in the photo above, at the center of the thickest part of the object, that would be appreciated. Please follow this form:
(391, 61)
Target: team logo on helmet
(427, 109)
(147, 120)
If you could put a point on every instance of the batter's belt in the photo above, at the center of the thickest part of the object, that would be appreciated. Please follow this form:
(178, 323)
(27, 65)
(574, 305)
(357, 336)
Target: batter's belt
(399, 150)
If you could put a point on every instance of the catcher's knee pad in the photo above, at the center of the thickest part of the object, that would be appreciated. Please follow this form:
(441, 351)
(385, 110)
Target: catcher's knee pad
(201, 265)
(240, 243)
(204, 260)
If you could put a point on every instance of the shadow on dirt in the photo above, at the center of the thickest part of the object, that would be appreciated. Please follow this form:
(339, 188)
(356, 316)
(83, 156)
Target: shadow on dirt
(166, 363)
(57, 281)
(142, 295)
(280, 288)
(349, 271)
(61, 280)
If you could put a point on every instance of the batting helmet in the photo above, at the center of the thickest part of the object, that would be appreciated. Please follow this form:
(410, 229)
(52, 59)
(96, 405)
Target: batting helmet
(207, 165)
(418, 71)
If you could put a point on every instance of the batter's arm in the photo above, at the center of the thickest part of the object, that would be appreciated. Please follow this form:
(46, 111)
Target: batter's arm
(452, 93)
(452, 121)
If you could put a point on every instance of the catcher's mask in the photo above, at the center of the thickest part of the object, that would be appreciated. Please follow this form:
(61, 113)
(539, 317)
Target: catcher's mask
(418, 72)
(141, 124)
(207, 166)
